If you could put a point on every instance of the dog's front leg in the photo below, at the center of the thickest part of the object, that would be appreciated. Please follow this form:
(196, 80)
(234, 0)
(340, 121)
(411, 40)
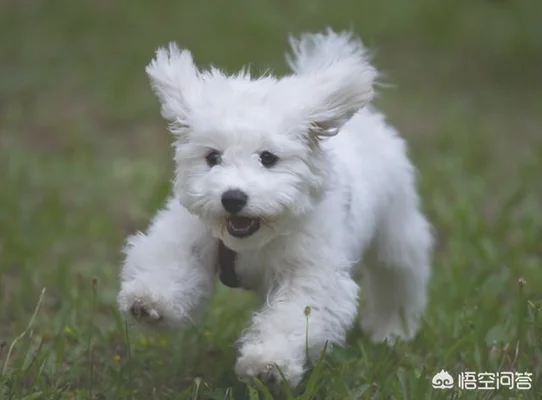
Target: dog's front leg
(306, 310)
(168, 275)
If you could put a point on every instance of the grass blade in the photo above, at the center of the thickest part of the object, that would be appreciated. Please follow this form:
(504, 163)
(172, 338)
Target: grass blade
(30, 323)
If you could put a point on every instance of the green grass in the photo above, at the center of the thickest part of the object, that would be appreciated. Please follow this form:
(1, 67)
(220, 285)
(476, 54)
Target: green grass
(85, 160)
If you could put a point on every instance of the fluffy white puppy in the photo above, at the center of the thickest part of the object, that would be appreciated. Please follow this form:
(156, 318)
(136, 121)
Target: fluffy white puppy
(298, 185)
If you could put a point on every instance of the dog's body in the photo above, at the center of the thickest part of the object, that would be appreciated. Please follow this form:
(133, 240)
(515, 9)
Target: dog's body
(304, 221)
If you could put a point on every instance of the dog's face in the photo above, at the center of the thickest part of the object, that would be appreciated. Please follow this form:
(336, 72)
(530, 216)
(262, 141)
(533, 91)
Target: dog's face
(247, 151)
(245, 173)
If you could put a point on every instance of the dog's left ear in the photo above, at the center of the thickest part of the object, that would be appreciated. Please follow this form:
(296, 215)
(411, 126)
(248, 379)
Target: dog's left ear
(335, 79)
(175, 81)
(336, 95)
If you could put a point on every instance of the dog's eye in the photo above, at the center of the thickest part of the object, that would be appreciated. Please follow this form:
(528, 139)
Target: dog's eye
(268, 159)
(213, 158)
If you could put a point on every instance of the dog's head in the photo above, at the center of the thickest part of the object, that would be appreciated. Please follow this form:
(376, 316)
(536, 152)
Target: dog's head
(247, 150)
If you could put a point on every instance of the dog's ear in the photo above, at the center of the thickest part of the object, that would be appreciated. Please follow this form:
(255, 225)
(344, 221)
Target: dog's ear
(337, 94)
(175, 81)
(334, 69)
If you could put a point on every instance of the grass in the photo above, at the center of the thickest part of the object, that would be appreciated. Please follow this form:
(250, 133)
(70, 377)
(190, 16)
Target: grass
(85, 160)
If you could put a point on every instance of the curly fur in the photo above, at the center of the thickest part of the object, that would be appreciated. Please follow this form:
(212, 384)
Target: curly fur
(341, 202)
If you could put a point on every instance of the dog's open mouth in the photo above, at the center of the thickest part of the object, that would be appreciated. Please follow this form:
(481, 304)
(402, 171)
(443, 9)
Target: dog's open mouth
(241, 227)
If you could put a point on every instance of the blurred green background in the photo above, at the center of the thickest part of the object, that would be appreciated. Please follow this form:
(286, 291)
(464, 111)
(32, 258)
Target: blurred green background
(85, 160)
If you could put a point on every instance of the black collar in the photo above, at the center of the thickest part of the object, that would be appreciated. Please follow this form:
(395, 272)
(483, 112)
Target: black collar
(226, 266)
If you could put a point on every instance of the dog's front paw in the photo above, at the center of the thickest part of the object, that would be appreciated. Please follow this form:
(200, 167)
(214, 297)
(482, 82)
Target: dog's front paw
(265, 366)
(148, 308)
(141, 307)
(143, 311)
(390, 328)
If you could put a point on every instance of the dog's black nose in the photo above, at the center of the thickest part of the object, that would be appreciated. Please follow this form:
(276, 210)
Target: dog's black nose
(234, 200)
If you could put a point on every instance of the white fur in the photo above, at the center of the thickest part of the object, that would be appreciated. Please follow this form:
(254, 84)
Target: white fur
(333, 207)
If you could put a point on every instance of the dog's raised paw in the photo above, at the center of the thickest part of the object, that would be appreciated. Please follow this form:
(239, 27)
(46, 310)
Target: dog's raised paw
(139, 306)
(145, 313)
(268, 374)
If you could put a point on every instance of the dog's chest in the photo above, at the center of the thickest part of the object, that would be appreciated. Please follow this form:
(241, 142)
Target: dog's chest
(251, 270)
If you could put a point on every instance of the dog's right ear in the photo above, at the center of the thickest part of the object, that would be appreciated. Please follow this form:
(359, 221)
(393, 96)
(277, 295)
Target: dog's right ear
(175, 81)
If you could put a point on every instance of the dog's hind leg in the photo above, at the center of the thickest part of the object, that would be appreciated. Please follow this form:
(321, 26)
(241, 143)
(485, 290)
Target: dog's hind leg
(397, 271)
(169, 273)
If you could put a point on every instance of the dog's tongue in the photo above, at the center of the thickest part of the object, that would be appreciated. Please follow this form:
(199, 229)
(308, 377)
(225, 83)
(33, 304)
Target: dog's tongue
(241, 223)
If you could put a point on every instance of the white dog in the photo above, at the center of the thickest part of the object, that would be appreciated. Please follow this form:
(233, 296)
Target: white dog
(292, 186)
